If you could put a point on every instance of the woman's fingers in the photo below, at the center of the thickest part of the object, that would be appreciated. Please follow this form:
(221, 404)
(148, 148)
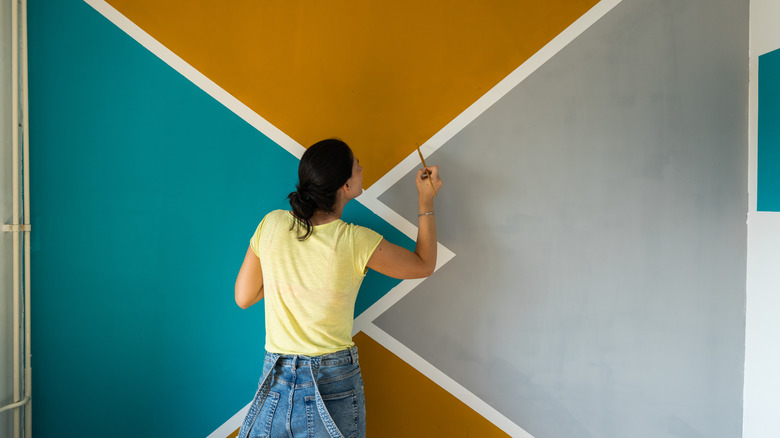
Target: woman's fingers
(424, 184)
(434, 172)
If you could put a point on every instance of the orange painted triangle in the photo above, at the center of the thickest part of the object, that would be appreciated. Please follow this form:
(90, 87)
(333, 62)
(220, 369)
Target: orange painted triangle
(402, 402)
(383, 76)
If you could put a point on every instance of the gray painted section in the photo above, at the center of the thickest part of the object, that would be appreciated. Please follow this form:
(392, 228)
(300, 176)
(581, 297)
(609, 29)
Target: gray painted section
(597, 213)
(6, 280)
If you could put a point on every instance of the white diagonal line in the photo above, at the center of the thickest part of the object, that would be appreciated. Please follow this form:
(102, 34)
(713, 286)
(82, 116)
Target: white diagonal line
(395, 294)
(232, 424)
(493, 95)
(198, 78)
(447, 383)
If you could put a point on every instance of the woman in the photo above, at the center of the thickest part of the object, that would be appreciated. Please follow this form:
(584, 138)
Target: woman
(308, 265)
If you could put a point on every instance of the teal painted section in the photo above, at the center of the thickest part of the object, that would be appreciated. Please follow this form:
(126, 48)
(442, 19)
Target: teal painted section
(375, 285)
(145, 193)
(768, 193)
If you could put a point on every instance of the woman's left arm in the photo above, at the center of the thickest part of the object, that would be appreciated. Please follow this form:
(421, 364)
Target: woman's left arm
(249, 283)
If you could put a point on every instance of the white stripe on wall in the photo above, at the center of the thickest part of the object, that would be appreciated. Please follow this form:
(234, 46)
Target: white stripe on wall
(447, 383)
(493, 95)
(197, 78)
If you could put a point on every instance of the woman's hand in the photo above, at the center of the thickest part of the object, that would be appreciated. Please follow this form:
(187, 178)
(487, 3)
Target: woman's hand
(425, 185)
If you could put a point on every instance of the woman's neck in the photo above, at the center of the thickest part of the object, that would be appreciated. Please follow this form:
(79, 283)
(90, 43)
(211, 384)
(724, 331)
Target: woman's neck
(323, 217)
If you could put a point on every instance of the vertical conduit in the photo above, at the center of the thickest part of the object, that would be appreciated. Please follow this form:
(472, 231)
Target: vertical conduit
(22, 423)
(26, 202)
(15, 207)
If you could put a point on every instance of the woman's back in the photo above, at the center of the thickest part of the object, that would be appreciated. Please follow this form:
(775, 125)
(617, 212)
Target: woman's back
(311, 284)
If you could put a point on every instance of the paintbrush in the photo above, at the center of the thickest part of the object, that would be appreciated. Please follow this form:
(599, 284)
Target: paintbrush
(426, 172)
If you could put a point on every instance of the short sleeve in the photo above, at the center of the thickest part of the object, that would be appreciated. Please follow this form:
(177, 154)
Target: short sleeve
(254, 242)
(366, 242)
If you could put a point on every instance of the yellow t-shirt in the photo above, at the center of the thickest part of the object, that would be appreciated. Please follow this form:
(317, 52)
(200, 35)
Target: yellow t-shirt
(310, 286)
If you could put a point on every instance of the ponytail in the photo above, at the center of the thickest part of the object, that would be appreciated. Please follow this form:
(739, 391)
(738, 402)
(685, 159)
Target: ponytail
(325, 167)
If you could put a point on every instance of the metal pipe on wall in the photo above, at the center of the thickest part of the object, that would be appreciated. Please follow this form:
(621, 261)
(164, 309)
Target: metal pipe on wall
(27, 231)
(19, 105)
(15, 206)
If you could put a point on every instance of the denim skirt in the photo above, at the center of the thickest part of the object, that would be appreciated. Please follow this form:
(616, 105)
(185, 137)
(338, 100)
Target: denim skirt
(308, 396)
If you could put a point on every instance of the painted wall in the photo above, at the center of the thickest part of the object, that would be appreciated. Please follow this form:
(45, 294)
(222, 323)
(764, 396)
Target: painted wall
(592, 226)
(598, 219)
(762, 359)
(147, 190)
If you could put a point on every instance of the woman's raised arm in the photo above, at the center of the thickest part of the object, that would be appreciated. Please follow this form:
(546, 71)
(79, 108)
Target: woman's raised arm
(398, 262)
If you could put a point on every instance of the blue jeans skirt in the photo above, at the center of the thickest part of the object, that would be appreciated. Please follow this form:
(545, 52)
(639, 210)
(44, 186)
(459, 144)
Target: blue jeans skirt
(308, 396)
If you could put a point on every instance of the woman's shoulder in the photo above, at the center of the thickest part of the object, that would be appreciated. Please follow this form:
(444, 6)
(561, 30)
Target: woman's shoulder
(278, 214)
(360, 231)
(275, 217)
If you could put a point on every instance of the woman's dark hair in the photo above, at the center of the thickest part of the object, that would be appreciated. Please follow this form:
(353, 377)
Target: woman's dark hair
(325, 167)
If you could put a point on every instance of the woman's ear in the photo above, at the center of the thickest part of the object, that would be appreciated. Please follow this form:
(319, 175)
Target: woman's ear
(344, 190)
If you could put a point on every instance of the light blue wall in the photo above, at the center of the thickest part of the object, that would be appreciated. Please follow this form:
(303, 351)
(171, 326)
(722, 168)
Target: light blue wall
(762, 358)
